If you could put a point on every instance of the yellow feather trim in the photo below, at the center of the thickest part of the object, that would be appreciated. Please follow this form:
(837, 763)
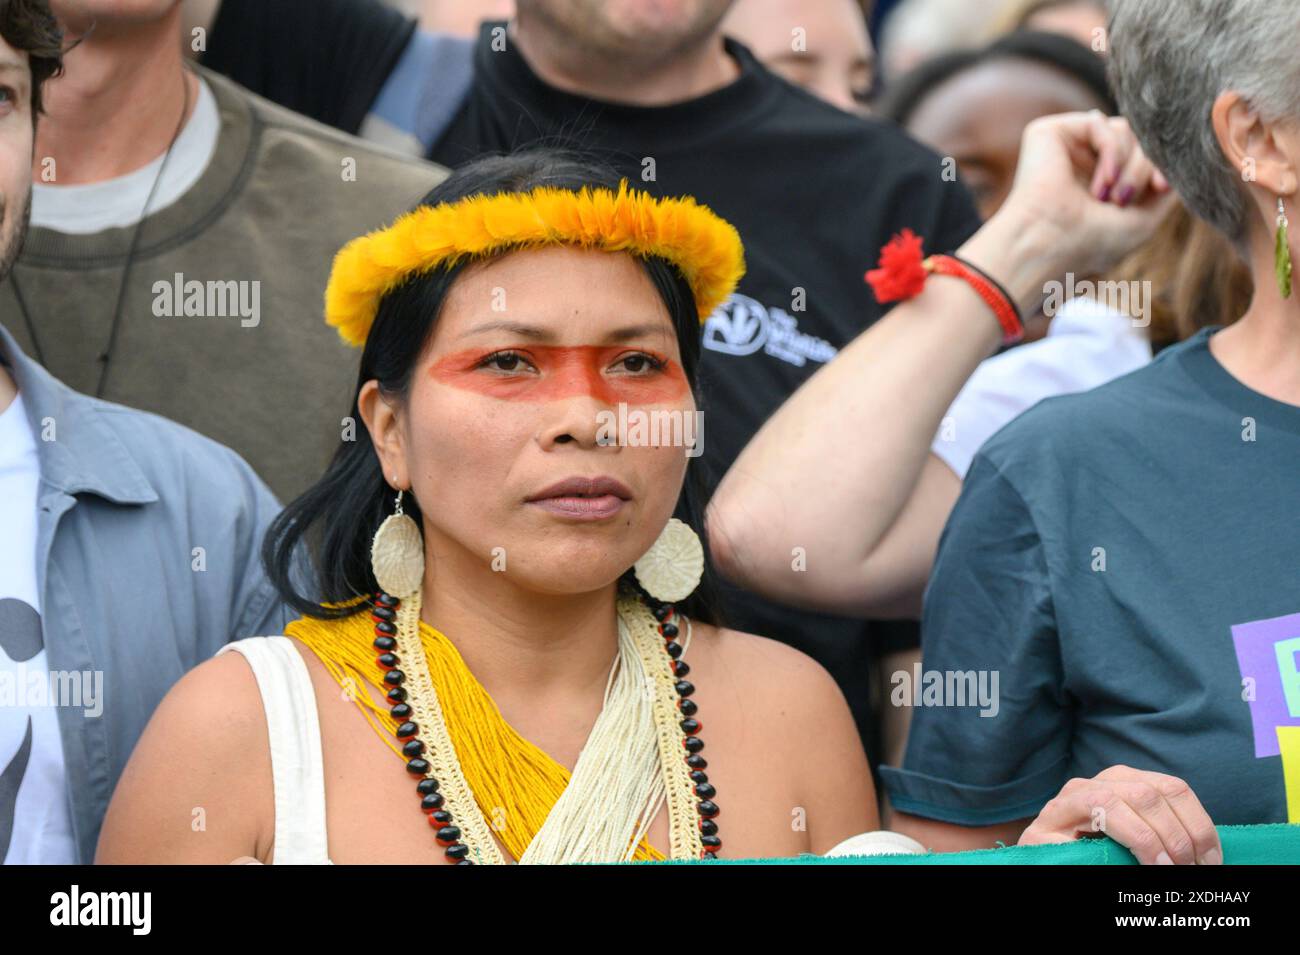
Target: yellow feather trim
(703, 246)
(514, 782)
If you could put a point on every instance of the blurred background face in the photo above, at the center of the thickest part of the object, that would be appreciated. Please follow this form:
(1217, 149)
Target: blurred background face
(636, 30)
(1081, 21)
(15, 152)
(505, 403)
(832, 55)
(978, 117)
(76, 16)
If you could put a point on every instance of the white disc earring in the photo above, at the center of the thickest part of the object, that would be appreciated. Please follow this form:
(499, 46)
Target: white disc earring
(397, 554)
(671, 569)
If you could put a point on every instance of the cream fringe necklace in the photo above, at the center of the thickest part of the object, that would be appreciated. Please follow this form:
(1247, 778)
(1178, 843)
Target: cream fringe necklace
(629, 766)
(617, 787)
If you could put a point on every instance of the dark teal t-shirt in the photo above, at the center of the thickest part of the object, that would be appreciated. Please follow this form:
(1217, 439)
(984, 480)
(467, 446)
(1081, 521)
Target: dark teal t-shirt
(1123, 566)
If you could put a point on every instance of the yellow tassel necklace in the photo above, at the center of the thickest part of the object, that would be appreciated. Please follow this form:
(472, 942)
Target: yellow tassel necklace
(478, 777)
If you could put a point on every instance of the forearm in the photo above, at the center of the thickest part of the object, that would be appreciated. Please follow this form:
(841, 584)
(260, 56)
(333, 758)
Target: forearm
(832, 470)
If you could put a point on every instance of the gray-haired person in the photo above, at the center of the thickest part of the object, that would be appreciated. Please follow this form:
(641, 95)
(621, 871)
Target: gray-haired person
(1126, 560)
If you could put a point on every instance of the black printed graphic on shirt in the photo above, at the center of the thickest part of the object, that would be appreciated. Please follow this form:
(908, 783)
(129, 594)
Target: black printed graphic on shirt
(20, 641)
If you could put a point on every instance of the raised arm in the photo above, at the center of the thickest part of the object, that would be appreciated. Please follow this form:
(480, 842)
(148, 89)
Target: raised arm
(843, 470)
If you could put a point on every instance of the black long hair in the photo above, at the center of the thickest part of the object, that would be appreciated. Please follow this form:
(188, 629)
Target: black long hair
(334, 521)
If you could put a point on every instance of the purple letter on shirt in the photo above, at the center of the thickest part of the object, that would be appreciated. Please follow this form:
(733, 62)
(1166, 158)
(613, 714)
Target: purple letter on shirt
(1268, 651)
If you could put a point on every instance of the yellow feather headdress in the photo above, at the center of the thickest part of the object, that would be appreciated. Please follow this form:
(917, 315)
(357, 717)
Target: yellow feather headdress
(703, 246)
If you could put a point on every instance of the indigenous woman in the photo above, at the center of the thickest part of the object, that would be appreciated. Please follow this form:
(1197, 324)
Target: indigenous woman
(503, 655)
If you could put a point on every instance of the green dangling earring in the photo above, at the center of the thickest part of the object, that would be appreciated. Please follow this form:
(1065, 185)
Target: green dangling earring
(1282, 256)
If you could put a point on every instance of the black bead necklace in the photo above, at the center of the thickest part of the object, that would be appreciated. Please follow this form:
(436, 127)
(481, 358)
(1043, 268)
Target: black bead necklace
(384, 614)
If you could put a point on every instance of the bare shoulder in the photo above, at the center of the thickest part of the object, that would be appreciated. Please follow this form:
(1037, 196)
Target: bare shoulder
(778, 707)
(197, 787)
(760, 663)
(218, 703)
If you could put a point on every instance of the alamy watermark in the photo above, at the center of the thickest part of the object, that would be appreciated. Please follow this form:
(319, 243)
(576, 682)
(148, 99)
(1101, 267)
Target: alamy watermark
(652, 428)
(1127, 298)
(211, 299)
(944, 688)
(130, 909)
(35, 688)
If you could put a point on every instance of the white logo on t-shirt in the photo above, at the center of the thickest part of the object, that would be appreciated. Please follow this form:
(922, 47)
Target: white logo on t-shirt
(742, 325)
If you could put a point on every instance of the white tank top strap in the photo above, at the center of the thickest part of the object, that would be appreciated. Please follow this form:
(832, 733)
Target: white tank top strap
(297, 767)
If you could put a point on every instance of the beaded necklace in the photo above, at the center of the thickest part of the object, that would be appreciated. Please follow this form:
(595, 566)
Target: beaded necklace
(650, 635)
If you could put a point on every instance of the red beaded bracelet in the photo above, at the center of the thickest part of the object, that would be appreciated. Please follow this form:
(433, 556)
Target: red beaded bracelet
(903, 271)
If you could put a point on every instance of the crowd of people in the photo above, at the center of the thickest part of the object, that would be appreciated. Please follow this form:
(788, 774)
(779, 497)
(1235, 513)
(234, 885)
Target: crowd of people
(954, 389)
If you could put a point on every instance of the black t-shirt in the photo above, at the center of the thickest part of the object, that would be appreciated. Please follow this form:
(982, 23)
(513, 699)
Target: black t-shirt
(815, 193)
(327, 59)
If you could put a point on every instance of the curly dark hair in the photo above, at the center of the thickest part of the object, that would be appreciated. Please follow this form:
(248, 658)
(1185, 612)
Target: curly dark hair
(29, 26)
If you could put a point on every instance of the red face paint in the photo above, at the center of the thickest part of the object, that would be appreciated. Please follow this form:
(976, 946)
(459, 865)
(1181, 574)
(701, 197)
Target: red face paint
(553, 372)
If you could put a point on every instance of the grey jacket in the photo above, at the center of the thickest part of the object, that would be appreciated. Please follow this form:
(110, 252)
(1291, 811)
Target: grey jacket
(146, 562)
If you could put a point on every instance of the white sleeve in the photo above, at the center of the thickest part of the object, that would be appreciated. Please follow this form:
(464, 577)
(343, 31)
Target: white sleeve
(1087, 345)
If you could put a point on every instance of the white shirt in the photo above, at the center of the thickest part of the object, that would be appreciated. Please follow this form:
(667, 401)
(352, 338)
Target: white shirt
(119, 202)
(35, 816)
(1087, 345)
